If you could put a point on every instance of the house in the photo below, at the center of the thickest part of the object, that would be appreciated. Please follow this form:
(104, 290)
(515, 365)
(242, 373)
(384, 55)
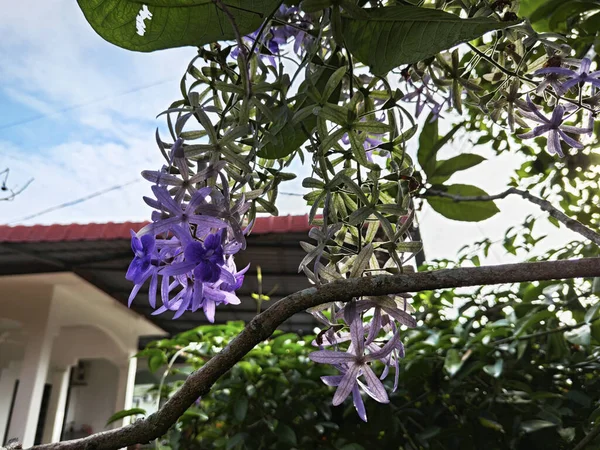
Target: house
(67, 338)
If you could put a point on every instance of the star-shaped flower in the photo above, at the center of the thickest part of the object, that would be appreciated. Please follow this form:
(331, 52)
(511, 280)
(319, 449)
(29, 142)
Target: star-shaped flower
(554, 128)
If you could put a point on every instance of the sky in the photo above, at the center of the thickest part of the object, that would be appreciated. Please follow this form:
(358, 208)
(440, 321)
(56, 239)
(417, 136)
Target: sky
(78, 115)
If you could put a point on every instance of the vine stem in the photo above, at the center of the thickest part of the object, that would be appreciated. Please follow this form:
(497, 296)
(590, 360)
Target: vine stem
(545, 205)
(263, 325)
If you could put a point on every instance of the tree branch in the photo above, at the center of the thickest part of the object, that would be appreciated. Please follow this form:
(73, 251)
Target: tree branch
(263, 325)
(545, 205)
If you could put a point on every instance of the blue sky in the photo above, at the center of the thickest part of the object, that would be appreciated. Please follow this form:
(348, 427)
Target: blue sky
(77, 114)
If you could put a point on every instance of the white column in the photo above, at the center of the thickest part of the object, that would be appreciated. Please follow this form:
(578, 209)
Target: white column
(34, 369)
(125, 388)
(56, 406)
(8, 378)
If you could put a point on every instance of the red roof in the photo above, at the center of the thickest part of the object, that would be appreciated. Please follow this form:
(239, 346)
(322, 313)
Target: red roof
(110, 231)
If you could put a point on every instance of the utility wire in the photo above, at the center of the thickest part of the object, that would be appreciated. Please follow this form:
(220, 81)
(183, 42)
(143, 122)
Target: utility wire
(80, 105)
(75, 202)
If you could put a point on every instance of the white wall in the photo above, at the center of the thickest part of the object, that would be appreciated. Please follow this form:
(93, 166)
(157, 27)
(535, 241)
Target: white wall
(94, 403)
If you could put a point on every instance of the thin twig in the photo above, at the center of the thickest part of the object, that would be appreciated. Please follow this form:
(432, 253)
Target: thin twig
(545, 205)
(544, 333)
(240, 41)
(263, 326)
(588, 438)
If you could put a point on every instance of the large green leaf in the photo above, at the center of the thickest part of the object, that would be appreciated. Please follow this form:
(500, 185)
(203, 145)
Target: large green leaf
(174, 23)
(466, 211)
(426, 154)
(401, 34)
(446, 168)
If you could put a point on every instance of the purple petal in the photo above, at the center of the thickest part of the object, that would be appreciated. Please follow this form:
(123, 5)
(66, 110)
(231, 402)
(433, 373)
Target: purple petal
(134, 292)
(152, 290)
(206, 222)
(357, 332)
(165, 200)
(331, 357)
(332, 380)
(375, 326)
(197, 199)
(534, 109)
(183, 306)
(576, 130)
(385, 350)
(401, 316)
(177, 268)
(585, 65)
(376, 389)
(194, 252)
(358, 403)
(209, 310)
(136, 245)
(556, 71)
(162, 226)
(198, 295)
(554, 144)
(569, 140)
(569, 84)
(346, 384)
(161, 178)
(148, 243)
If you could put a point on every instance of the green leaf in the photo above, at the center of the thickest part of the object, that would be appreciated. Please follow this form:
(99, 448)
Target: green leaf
(491, 424)
(494, 370)
(125, 413)
(240, 408)
(285, 434)
(396, 35)
(580, 336)
(174, 23)
(236, 440)
(530, 426)
(453, 362)
(362, 261)
(591, 313)
(448, 167)
(426, 154)
(464, 211)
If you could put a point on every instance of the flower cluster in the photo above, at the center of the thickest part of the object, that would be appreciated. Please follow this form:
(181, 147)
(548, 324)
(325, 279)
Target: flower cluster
(363, 349)
(187, 250)
(289, 24)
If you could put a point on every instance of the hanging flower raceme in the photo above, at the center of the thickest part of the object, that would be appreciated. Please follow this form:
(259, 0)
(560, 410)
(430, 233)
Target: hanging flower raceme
(189, 246)
(355, 363)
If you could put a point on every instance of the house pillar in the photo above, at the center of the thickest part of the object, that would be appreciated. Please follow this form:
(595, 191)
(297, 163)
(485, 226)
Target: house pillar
(56, 407)
(125, 388)
(41, 331)
(8, 378)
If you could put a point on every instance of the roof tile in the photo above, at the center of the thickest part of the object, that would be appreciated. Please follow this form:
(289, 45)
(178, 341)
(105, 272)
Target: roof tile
(111, 231)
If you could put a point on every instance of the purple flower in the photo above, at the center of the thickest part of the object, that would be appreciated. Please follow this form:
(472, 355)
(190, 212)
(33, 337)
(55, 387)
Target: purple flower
(191, 241)
(144, 250)
(179, 215)
(336, 380)
(355, 363)
(581, 76)
(554, 127)
(422, 96)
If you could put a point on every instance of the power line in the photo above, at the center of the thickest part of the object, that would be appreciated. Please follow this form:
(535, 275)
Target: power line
(75, 202)
(80, 105)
